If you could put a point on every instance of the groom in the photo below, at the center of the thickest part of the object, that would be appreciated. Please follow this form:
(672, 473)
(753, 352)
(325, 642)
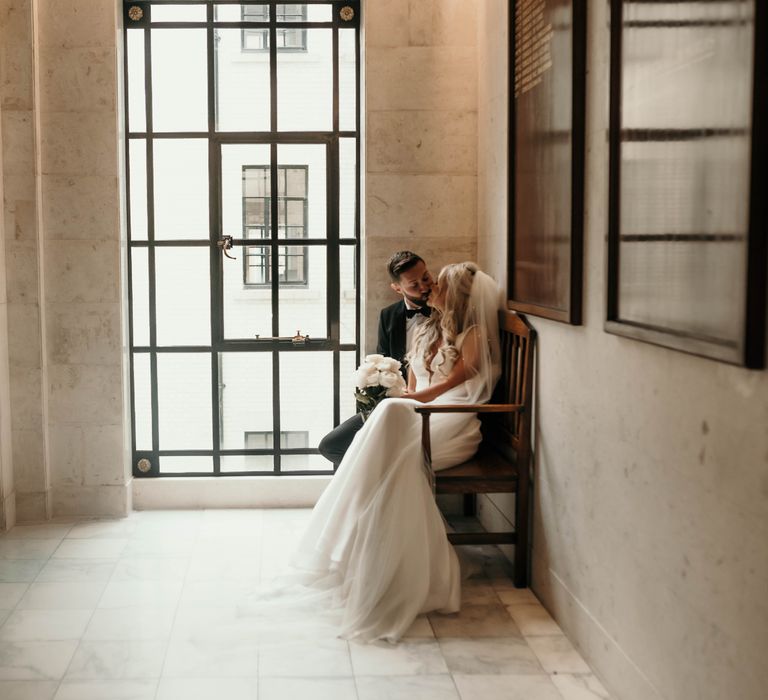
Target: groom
(411, 279)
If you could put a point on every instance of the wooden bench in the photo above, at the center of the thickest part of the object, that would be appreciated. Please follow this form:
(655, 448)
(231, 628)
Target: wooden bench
(503, 461)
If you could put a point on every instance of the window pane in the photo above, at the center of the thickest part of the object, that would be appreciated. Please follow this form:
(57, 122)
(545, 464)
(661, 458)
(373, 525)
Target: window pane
(181, 189)
(184, 400)
(137, 117)
(303, 307)
(305, 84)
(348, 298)
(303, 175)
(347, 187)
(245, 397)
(140, 295)
(306, 394)
(189, 464)
(142, 401)
(347, 367)
(312, 13)
(178, 13)
(347, 80)
(242, 82)
(236, 13)
(182, 279)
(179, 80)
(137, 153)
(246, 463)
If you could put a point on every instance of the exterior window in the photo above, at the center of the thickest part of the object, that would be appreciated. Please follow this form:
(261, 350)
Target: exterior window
(291, 223)
(288, 38)
(264, 439)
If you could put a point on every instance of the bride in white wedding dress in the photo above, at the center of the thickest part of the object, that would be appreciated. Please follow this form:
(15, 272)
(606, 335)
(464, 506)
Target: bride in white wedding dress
(376, 541)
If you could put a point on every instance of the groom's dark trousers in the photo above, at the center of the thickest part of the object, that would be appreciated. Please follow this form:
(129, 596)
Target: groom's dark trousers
(391, 343)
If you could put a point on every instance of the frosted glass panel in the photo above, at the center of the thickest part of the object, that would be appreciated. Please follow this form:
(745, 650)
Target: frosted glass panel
(181, 189)
(140, 289)
(245, 398)
(188, 464)
(137, 153)
(137, 106)
(179, 80)
(305, 85)
(347, 301)
(347, 80)
(178, 13)
(183, 296)
(184, 400)
(242, 84)
(142, 401)
(347, 187)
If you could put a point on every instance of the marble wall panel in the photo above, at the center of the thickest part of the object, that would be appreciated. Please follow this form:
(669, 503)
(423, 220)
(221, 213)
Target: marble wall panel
(20, 225)
(21, 276)
(386, 23)
(24, 342)
(15, 75)
(18, 142)
(32, 507)
(422, 78)
(78, 80)
(79, 143)
(28, 460)
(82, 271)
(111, 501)
(103, 448)
(66, 454)
(84, 23)
(80, 207)
(26, 398)
(85, 394)
(422, 142)
(83, 333)
(442, 23)
(421, 206)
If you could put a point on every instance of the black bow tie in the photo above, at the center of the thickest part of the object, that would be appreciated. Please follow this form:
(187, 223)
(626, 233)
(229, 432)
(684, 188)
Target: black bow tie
(425, 310)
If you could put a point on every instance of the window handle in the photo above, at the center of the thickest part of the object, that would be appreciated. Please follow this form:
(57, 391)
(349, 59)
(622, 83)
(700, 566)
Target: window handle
(297, 339)
(226, 243)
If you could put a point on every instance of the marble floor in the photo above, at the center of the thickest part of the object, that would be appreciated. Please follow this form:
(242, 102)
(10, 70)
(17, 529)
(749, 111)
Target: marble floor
(155, 607)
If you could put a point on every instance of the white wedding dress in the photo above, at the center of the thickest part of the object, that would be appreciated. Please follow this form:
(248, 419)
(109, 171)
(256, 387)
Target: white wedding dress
(376, 538)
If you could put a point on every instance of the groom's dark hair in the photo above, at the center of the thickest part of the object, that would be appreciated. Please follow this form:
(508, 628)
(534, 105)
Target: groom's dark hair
(400, 262)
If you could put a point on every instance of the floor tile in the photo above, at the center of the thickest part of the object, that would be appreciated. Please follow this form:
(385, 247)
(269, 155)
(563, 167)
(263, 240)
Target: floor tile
(104, 548)
(211, 658)
(40, 531)
(439, 687)
(20, 570)
(162, 546)
(208, 688)
(533, 620)
(88, 570)
(28, 690)
(154, 594)
(220, 568)
(329, 657)
(149, 569)
(71, 595)
(507, 655)
(35, 660)
(27, 548)
(102, 529)
(130, 624)
(581, 687)
(107, 690)
(223, 594)
(11, 594)
(475, 621)
(420, 629)
(117, 660)
(314, 688)
(517, 596)
(45, 625)
(404, 659)
(557, 655)
(506, 687)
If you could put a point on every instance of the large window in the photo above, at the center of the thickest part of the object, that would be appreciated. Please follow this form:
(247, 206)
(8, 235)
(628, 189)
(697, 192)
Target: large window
(288, 38)
(292, 223)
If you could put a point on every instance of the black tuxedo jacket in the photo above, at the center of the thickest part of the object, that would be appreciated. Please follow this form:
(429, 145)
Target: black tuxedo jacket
(392, 332)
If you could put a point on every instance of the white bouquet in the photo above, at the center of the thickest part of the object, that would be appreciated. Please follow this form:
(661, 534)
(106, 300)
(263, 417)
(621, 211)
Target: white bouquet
(377, 378)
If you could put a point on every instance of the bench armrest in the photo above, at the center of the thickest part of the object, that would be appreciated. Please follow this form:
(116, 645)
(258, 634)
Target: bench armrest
(472, 408)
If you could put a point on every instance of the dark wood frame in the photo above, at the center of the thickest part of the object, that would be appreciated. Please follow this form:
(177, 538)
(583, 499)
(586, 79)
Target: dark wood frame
(573, 314)
(752, 351)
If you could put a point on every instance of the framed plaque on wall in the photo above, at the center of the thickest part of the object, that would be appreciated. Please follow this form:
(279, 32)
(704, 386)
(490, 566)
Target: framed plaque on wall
(547, 73)
(687, 197)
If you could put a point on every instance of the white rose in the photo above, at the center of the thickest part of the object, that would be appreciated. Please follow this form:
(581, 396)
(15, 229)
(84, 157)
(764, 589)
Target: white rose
(398, 389)
(388, 364)
(389, 379)
(373, 359)
(366, 376)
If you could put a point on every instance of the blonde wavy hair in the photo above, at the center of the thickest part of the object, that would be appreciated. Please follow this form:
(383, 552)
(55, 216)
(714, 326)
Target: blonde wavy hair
(435, 339)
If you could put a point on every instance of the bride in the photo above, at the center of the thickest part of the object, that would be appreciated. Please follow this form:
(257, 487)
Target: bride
(376, 539)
